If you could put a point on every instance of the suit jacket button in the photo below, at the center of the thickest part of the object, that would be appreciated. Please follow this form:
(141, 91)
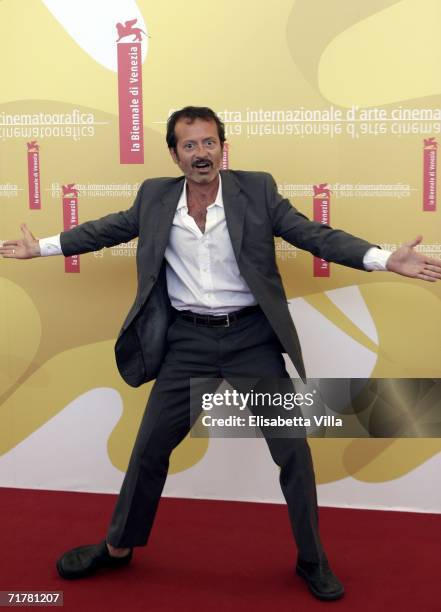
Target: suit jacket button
(153, 278)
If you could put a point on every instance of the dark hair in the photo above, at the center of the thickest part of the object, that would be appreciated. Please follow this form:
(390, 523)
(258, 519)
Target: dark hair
(191, 113)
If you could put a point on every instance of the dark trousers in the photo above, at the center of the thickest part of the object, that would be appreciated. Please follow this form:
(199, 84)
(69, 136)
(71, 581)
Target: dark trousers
(246, 349)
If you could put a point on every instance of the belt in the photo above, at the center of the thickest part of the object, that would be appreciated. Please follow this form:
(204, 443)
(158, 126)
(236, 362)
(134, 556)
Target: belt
(225, 320)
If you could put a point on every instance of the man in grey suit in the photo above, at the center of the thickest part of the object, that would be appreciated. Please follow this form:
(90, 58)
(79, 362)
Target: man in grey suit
(210, 304)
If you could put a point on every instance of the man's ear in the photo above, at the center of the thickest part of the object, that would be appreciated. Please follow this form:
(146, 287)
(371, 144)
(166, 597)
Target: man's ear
(174, 156)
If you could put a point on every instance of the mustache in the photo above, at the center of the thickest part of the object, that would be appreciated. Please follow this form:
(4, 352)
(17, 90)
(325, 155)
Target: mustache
(203, 160)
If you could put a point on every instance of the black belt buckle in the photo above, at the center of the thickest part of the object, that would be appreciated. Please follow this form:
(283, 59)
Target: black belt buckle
(209, 320)
(227, 322)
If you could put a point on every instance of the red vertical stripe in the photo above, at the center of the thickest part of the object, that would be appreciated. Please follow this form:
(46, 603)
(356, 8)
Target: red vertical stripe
(70, 220)
(131, 129)
(321, 208)
(225, 157)
(34, 180)
(429, 175)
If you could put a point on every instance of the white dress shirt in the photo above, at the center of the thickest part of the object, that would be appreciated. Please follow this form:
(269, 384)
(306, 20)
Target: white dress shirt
(202, 272)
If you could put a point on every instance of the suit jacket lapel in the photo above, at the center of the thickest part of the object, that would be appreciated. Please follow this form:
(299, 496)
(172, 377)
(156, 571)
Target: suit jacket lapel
(164, 220)
(235, 204)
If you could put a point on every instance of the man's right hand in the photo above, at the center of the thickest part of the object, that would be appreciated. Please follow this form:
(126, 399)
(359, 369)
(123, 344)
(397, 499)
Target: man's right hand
(26, 248)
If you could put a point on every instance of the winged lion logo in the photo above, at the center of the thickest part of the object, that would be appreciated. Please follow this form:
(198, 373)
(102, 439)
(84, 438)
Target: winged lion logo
(70, 190)
(127, 29)
(321, 191)
(33, 146)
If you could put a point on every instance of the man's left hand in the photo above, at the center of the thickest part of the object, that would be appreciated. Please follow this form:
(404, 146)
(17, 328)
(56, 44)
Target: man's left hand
(408, 262)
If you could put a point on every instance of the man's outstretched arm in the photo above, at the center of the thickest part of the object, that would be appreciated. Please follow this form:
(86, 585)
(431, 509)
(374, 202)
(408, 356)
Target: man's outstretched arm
(110, 230)
(408, 262)
(343, 248)
(25, 248)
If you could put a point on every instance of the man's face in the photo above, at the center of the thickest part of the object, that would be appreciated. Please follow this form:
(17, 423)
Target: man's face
(198, 150)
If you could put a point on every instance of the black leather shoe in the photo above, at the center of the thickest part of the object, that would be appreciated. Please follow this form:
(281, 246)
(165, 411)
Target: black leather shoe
(322, 583)
(85, 560)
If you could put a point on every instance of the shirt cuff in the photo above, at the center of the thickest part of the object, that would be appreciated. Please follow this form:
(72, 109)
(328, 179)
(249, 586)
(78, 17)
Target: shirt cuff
(50, 246)
(376, 259)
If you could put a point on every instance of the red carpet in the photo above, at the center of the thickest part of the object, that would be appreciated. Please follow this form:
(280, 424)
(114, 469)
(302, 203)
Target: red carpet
(206, 555)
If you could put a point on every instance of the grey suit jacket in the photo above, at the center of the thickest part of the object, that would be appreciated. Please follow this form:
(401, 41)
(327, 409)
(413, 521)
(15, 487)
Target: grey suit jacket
(255, 213)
